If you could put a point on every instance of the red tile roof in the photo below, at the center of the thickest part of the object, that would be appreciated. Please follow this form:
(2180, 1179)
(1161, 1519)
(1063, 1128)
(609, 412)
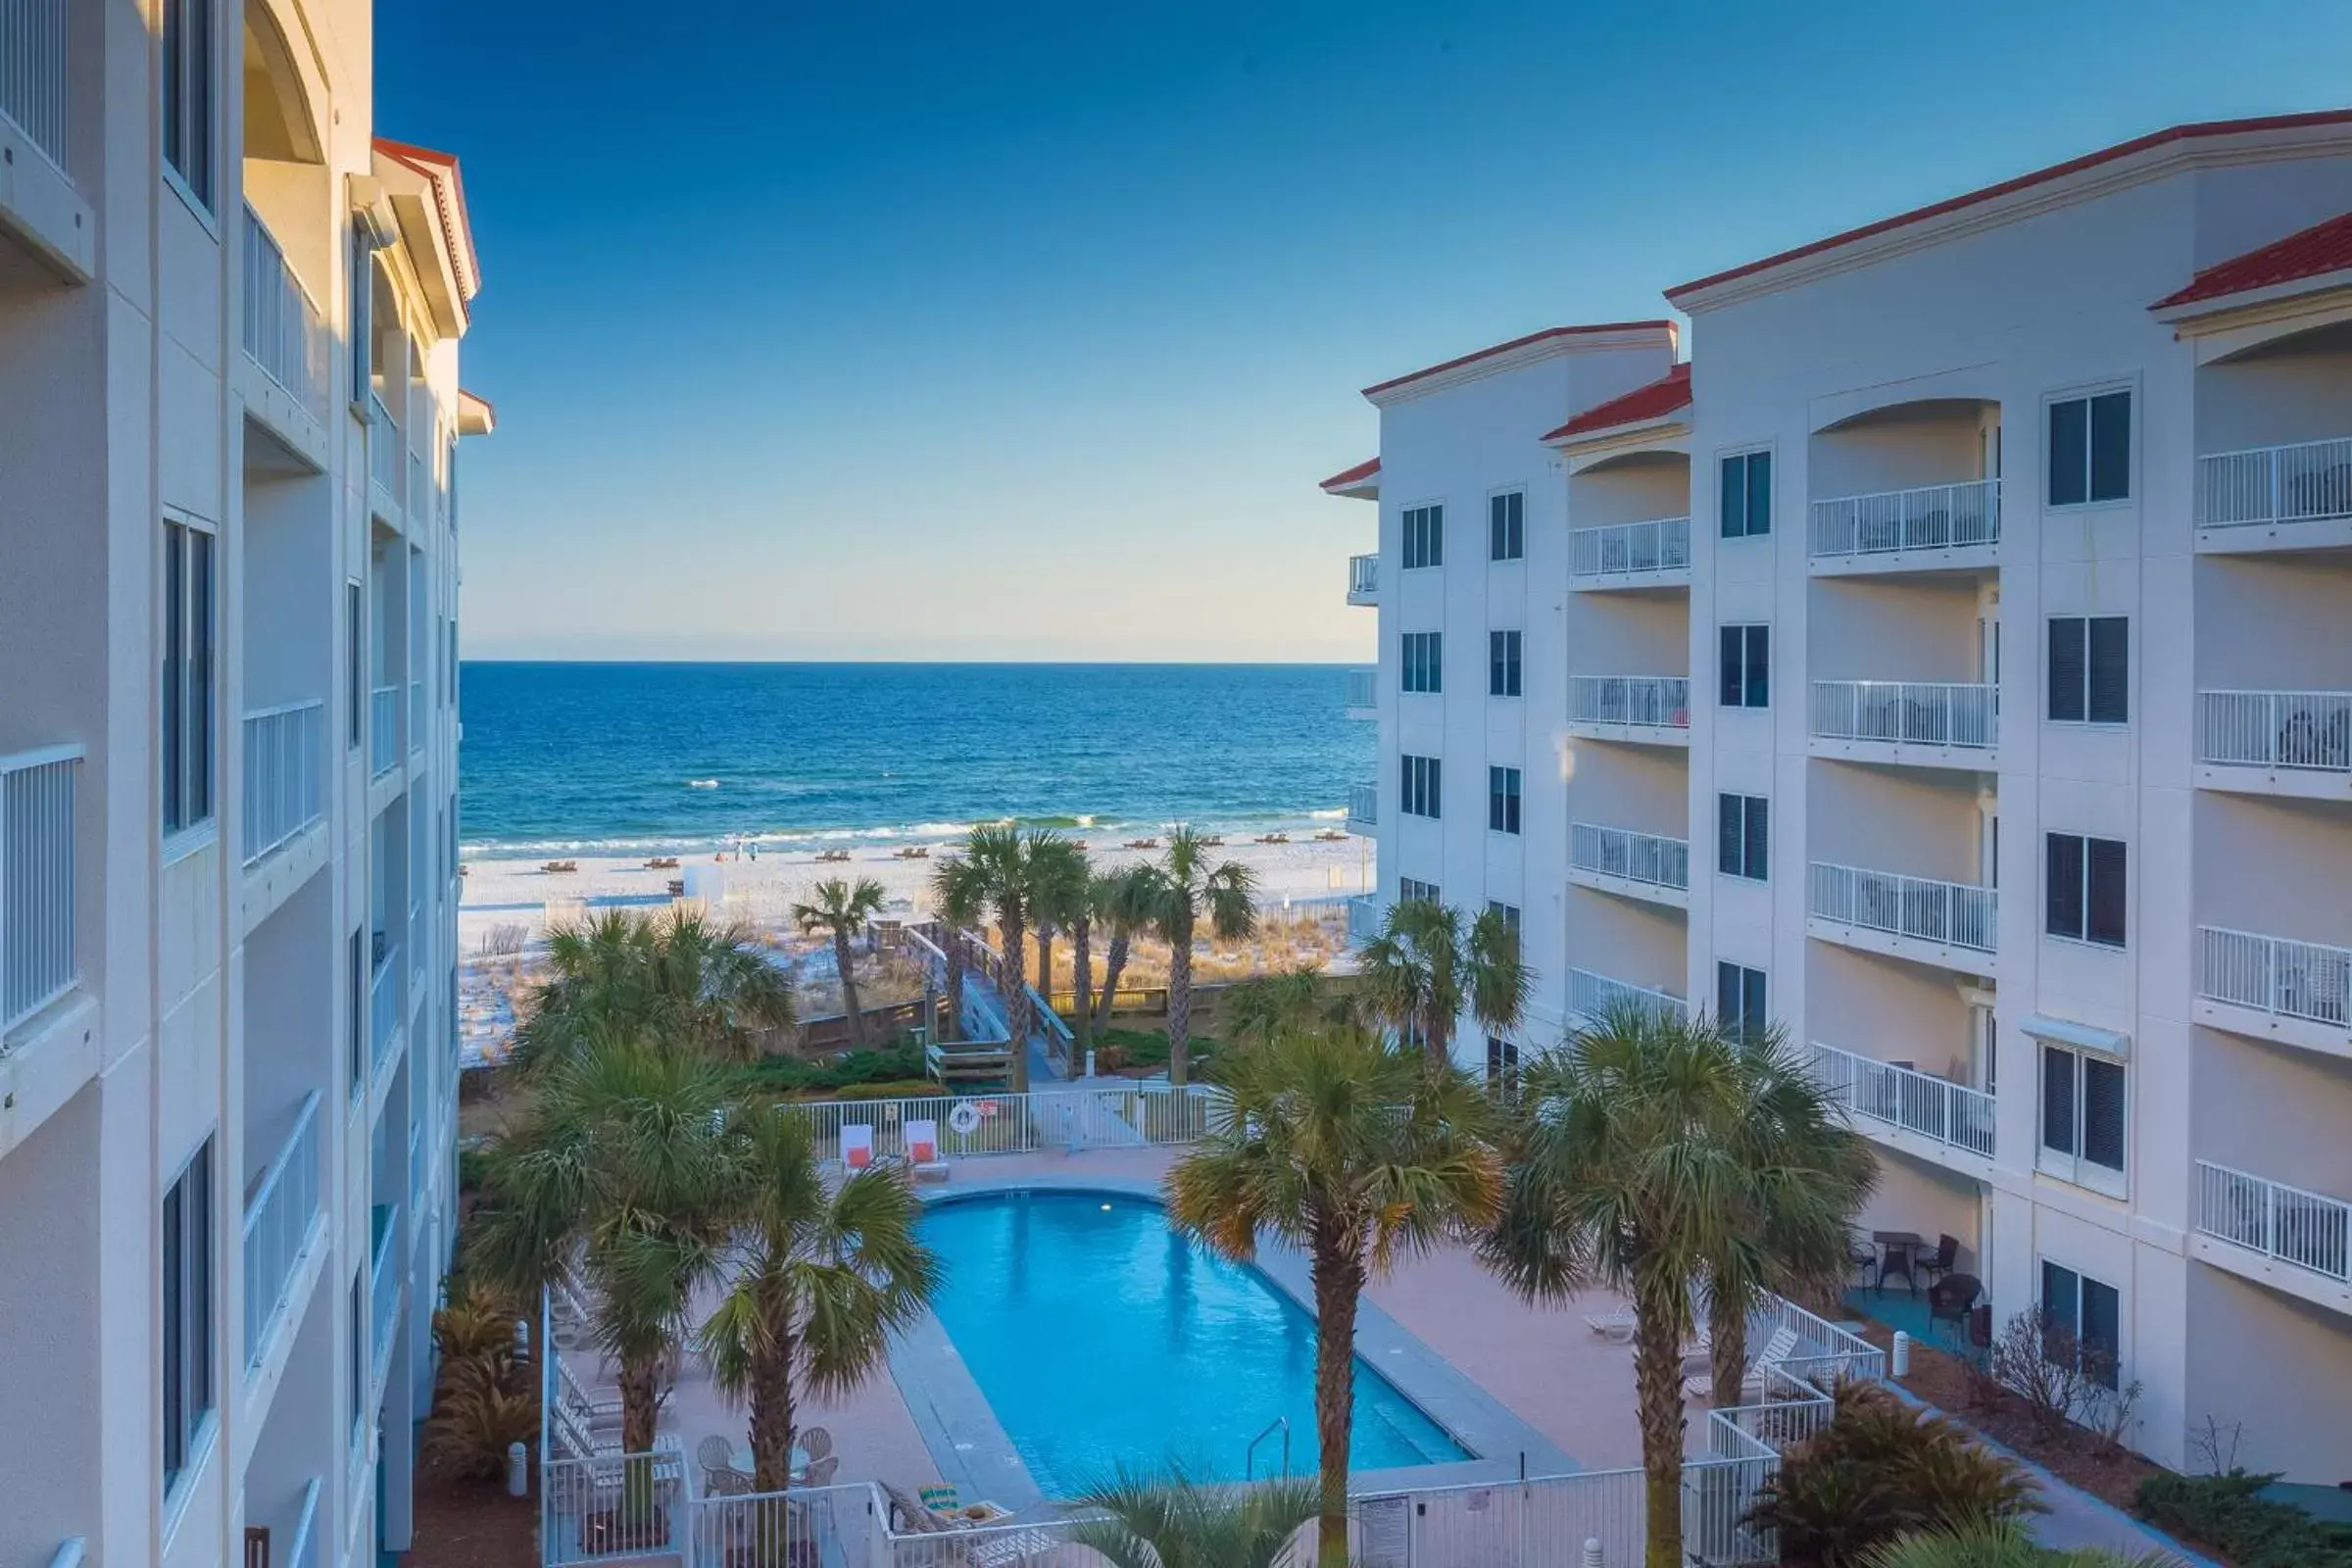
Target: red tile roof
(1516, 343)
(1655, 400)
(448, 198)
(1348, 478)
(2138, 144)
(2324, 247)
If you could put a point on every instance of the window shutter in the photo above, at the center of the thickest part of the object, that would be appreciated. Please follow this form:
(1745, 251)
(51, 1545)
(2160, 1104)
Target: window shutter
(1733, 665)
(1730, 853)
(1733, 505)
(2101, 1339)
(2111, 446)
(2061, 1297)
(1759, 493)
(1433, 784)
(2103, 1112)
(2069, 454)
(2058, 1099)
(2065, 886)
(1759, 666)
(2110, 670)
(1726, 993)
(1759, 816)
(1752, 1012)
(2067, 657)
(2107, 897)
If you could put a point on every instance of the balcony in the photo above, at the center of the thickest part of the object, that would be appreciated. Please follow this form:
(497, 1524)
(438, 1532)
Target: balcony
(383, 460)
(285, 782)
(383, 729)
(383, 1293)
(1632, 865)
(1363, 579)
(1953, 924)
(1930, 528)
(38, 963)
(1363, 808)
(288, 340)
(1363, 694)
(2298, 1241)
(2276, 743)
(383, 1006)
(2273, 988)
(1933, 723)
(37, 198)
(2274, 498)
(1643, 710)
(1593, 998)
(1911, 1110)
(416, 717)
(1365, 913)
(282, 1217)
(1631, 555)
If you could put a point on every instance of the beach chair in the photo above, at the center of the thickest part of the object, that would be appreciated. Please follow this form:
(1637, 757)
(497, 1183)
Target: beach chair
(857, 1146)
(1777, 1350)
(922, 1151)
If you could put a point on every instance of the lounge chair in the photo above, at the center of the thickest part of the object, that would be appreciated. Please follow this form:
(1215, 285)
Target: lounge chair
(1616, 1326)
(922, 1151)
(816, 1443)
(1141, 844)
(820, 1471)
(1271, 838)
(996, 1547)
(1777, 1350)
(857, 1146)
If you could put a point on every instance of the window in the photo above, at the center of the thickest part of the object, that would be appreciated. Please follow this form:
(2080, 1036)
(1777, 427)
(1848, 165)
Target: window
(188, 95)
(2090, 669)
(1746, 505)
(1409, 891)
(1508, 911)
(1747, 666)
(359, 1009)
(1424, 538)
(2081, 1116)
(1506, 526)
(1503, 800)
(2082, 1317)
(187, 675)
(2090, 449)
(188, 1312)
(1417, 788)
(1742, 836)
(355, 654)
(1424, 662)
(1739, 999)
(2084, 889)
(1502, 663)
(1503, 1067)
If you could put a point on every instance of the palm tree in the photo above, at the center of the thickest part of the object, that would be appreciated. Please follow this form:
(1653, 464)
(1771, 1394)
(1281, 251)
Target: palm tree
(1174, 1522)
(1257, 1009)
(1126, 906)
(1351, 1151)
(2002, 1543)
(1003, 860)
(1189, 890)
(1059, 882)
(620, 1160)
(827, 1275)
(959, 900)
(1628, 1183)
(1423, 967)
(843, 910)
(1807, 1176)
(678, 981)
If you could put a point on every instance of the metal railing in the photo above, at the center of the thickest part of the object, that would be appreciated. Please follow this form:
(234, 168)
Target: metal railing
(1904, 1096)
(1363, 688)
(303, 1552)
(612, 1506)
(383, 447)
(383, 1297)
(2309, 1230)
(416, 715)
(1934, 516)
(285, 774)
(383, 729)
(1364, 803)
(1135, 1115)
(1907, 712)
(841, 1524)
(2275, 730)
(1630, 549)
(1646, 858)
(2276, 975)
(1365, 913)
(1363, 576)
(283, 332)
(383, 1005)
(2310, 481)
(280, 1218)
(1659, 700)
(33, 71)
(1960, 915)
(37, 960)
(1594, 997)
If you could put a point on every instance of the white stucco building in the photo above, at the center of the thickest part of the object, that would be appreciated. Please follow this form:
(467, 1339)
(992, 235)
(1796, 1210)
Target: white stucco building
(229, 415)
(1953, 662)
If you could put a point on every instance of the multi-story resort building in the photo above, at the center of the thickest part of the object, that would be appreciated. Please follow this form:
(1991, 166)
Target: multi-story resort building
(229, 320)
(1953, 662)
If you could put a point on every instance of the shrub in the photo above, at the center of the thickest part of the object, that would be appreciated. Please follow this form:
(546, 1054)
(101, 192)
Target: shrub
(1879, 1470)
(483, 1398)
(2063, 1381)
(898, 1063)
(913, 1088)
(2228, 1513)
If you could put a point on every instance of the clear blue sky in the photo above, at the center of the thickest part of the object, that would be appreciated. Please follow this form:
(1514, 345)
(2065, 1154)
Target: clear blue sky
(972, 330)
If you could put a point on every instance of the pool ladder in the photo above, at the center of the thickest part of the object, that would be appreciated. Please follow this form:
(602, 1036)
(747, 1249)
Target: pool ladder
(1281, 1424)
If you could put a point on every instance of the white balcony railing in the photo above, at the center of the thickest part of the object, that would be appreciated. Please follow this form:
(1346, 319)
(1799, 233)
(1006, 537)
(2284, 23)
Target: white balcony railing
(2308, 482)
(1936, 516)
(280, 1218)
(1363, 578)
(285, 774)
(383, 1005)
(1646, 858)
(1594, 997)
(1960, 915)
(2275, 730)
(383, 729)
(383, 447)
(416, 715)
(1656, 701)
(1631, 549)
(37, 960)
(283, 331)
(2276, 975)
(1363, 688)
(33, 71)
(1365, 913)
(383, 1293)
(303, 1552)
(1934, 1107)
(1907, 711)
(1363, 804)
(2309, 1230)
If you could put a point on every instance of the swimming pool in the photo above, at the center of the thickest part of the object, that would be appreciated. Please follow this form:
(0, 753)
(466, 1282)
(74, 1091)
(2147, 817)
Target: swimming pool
(1099, 1336)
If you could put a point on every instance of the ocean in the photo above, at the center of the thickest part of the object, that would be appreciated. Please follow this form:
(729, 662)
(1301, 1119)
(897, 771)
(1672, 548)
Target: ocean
(636, 759)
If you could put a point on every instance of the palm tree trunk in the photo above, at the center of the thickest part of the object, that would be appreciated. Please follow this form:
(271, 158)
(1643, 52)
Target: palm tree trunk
(1338, 1280)
(1013, 972)
(843, 961)
(1180, 1006)
(1658, 1402)
(1727, 1346)
(1115, 965)
(640, 1407)
(771, 1418)
(1044, 964)
(1082, 982)
(1437, 1045)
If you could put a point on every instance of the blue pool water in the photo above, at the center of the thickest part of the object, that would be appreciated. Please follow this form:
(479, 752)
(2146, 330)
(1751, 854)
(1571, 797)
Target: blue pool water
(1099, 1336)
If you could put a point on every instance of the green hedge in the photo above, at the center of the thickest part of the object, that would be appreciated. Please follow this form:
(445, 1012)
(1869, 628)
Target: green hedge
(2227, 1514)
(899, 1062)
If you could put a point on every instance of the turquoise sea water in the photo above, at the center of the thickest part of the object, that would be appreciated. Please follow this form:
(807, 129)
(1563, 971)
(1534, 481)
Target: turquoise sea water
(636, 757)
(1097, 1337)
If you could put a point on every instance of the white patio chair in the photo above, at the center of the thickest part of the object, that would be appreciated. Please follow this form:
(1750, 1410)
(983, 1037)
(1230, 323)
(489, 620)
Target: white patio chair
(1777, 1350)
(857, 1146)
(922, 1151)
